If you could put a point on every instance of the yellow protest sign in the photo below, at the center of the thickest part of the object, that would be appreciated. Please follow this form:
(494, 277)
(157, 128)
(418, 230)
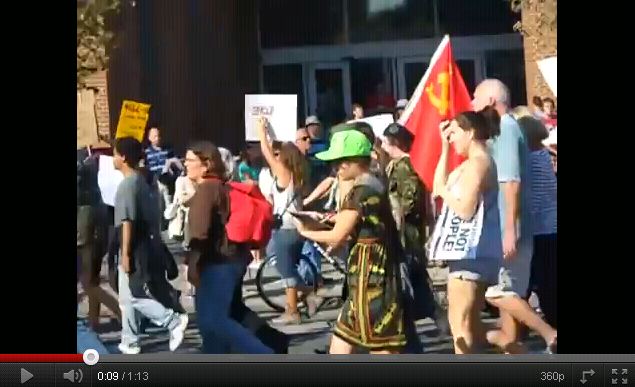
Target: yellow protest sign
(133, 120)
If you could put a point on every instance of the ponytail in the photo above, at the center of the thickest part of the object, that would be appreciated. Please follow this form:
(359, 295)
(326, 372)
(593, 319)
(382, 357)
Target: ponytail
(492, 121)
(485, 123)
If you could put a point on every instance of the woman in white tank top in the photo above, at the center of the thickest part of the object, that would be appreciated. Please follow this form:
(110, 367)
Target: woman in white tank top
(287, 168)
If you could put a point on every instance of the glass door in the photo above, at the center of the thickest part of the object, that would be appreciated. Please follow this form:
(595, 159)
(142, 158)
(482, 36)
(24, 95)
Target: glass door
(330, 92)
(409, 73)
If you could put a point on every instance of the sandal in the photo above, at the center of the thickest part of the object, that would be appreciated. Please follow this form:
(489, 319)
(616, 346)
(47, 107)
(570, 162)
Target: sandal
(313, 303)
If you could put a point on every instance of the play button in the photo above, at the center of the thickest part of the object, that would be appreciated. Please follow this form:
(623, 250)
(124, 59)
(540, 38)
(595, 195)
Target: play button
(25, 376)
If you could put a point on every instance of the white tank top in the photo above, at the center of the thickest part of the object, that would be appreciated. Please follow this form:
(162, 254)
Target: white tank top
(285, 199)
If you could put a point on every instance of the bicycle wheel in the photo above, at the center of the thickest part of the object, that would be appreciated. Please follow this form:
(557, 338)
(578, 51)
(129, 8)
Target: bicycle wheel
(271, 287)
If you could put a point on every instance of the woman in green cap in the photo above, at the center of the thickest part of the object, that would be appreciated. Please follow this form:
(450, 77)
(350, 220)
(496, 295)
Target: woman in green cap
(372, 315)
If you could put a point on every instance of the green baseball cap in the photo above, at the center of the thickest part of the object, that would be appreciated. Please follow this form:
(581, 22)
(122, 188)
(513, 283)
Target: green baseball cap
(347, 143)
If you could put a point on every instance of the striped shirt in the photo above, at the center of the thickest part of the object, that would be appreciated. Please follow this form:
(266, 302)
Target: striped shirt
(544, 198)
(156, 158)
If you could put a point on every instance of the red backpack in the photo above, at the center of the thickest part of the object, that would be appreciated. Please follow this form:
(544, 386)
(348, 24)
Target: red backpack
(250, 215)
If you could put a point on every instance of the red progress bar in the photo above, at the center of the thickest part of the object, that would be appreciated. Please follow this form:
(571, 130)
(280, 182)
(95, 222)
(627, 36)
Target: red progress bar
(42, 358)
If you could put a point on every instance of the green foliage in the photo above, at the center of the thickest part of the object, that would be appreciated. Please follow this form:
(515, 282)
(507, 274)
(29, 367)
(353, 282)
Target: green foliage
(93, 36)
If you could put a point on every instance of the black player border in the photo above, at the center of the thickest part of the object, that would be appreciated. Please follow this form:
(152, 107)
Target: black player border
(420, 370)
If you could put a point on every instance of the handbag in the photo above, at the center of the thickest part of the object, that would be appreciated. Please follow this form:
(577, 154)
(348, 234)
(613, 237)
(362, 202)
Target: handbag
(455, 239)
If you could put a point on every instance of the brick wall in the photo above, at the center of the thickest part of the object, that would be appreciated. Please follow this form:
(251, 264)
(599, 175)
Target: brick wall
(99, 82)
(540, 42)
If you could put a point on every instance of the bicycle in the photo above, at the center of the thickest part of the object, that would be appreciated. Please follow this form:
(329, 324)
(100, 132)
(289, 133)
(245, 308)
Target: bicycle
(272, 291)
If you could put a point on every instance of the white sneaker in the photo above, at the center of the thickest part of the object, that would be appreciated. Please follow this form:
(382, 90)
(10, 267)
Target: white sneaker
(129, 349)
(177, 334)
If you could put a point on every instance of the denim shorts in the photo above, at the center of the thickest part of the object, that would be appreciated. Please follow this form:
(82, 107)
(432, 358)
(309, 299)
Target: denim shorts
(513, 276)
(478, 270)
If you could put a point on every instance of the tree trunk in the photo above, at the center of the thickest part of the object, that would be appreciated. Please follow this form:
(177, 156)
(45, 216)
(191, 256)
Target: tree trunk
(539, 29)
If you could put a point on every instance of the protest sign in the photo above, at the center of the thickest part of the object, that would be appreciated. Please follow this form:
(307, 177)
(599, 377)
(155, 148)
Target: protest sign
(549, 69)
(133, 120)
(108, 179)
(453, 238)
(281, 110)
(86, 120)
(379, 123)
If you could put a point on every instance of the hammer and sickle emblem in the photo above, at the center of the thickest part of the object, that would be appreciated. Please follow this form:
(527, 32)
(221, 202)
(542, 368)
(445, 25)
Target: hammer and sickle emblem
(442, 101)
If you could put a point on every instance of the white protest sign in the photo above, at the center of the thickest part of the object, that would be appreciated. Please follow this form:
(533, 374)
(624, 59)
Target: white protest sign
(379, 123)
(108, 179)
(549, 69)
(281, 110)
(455, 239)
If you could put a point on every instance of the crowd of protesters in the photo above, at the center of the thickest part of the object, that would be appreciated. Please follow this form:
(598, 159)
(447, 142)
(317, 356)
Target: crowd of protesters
(381, 215)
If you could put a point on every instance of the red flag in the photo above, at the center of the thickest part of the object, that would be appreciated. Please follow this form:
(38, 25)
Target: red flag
(440, 95)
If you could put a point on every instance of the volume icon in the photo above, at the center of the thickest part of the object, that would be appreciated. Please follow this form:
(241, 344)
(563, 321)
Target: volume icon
(74, 376)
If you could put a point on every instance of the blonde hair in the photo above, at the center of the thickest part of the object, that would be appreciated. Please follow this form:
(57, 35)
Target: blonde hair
(521, 111)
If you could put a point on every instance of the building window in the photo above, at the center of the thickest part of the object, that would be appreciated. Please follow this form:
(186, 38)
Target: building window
(509, 67)
(466, 67)
(286, 79)
(285, 23)
(367, 75)
(413, 72)
(377, 20)
(471, 17)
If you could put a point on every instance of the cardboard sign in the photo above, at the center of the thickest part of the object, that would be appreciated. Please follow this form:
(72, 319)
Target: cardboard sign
(86, 120)
(549, 69)
(280, 109)
(108, 179)
(379, 123)
(133, 120)
(455, 239)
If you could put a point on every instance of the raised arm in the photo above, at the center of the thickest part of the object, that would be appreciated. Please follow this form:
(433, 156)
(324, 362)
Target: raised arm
(441, 172)
(277, 168)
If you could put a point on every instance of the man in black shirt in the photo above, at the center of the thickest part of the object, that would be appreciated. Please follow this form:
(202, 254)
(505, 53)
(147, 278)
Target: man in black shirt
(90, 236)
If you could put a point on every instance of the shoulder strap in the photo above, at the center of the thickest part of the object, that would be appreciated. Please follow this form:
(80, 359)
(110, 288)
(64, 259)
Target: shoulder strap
(293, 197)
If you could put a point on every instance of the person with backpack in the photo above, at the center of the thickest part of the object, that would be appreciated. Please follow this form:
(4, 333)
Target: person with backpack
(215, 263)
(288, 172)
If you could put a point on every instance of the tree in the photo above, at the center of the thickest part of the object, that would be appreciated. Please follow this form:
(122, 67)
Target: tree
(539, 27)
(94, 36)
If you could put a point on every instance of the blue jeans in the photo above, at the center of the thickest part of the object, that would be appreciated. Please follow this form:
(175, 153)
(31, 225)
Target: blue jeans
(313, 255)
(131, 307)
(213, 305)
(87, 338)
(287, 245)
